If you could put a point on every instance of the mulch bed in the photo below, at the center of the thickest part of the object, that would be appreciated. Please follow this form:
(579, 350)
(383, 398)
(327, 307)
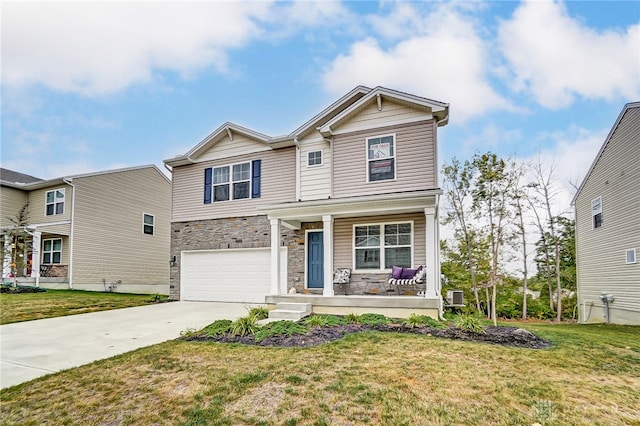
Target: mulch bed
(506, 336)
(19, 289)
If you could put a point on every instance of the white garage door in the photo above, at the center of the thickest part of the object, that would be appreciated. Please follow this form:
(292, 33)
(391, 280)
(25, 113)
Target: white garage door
(236, 275)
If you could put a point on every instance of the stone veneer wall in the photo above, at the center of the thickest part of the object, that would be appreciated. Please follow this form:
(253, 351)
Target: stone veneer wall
(237, 232)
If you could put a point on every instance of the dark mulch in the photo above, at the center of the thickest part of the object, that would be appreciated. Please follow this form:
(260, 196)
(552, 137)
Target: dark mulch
(506, 336)
(20, 289)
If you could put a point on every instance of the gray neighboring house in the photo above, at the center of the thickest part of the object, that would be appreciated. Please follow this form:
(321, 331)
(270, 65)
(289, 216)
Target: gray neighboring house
(607, 209)
(96, 231)
(255, 217)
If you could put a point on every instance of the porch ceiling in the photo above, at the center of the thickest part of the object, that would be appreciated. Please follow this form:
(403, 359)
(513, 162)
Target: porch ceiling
(385, 204)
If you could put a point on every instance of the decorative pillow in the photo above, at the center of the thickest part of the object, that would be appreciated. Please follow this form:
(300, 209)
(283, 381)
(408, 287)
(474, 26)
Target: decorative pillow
(342, 276)
(396, 271)
(408, 273)
(422, 272)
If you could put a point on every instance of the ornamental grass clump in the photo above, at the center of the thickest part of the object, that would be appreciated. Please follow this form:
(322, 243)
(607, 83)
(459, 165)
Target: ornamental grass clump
(416, 320)
(323, 320)
(280, 328)
(470, 323)
(217, 328)
(244, 326)
(374, 319)
(259, 312)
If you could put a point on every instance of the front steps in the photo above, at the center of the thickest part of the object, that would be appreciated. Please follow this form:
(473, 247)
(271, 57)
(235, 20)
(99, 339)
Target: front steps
(290, 311)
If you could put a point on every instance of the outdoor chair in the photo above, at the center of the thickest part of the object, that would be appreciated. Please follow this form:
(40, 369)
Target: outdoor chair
(342, 279)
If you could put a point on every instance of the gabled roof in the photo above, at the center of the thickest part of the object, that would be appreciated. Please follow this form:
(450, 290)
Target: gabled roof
(440, 110)
(10, 176)
(626, 108)
(29, 186)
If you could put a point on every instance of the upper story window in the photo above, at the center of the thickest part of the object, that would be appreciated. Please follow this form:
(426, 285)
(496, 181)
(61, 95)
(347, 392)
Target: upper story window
(381, 158)
(52, 251)
(381, 246)
(596, 212)
(54, 202)
(232, 182)
(630, 254)
(148, 223)
(314, 158)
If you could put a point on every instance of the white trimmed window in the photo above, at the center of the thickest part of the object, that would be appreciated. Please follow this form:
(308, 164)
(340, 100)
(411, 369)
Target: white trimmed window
(381, 158)
(232, 182)
(314, 158)
(52, 251)
(596, 212)
(631, 256)
(381, 246)
(54, 202)
(148, 224)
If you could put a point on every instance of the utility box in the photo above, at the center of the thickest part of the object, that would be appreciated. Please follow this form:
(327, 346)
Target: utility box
(455, 297)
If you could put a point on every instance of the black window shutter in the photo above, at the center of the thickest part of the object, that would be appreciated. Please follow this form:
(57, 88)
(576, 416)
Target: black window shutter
(255, 178)
(207, 185)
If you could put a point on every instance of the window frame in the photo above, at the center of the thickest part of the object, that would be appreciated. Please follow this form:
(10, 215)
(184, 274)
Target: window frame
(392, 158)
(55, 203)
(231, 181)
(382, 246)
(635, 256)
(596, 212)
(321, 154)
(52, 251)
(152, 225)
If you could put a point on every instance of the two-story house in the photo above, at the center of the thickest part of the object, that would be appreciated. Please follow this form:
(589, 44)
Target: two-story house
(354, 187)
(104, 231)
(607, 209)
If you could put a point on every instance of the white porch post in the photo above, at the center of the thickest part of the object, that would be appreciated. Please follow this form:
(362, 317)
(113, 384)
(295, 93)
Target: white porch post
(35, 256)
(327, 235)
(6, 256)
(432, 264)
(275, 256)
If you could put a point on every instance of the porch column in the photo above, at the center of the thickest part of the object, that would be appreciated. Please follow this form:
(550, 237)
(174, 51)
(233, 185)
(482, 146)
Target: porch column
(275, 256)
(327, 235)
(36, 238)
(6, 256)
(432, 264)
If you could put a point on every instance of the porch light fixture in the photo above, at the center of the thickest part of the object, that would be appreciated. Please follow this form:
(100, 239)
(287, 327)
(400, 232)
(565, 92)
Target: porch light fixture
(172, 261)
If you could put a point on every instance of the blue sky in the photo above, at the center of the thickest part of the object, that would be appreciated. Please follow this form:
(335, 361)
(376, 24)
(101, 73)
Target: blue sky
(90, 86)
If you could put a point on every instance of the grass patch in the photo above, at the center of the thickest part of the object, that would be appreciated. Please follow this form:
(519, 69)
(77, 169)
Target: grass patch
(56, 303)
(590, 376)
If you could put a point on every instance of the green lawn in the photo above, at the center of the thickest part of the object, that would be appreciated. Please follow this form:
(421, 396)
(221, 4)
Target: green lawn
(590, 376)
(55, 303)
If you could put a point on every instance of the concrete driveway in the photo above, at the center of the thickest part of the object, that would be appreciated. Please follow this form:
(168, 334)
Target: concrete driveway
(35, 348)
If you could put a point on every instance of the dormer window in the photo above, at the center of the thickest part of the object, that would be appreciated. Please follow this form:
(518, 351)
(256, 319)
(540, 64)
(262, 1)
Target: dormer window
(381, 158)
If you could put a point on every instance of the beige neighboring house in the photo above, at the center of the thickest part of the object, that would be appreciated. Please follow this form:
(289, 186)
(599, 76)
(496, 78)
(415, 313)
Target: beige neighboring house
(256, 218)
(104, 231)
(607, 207)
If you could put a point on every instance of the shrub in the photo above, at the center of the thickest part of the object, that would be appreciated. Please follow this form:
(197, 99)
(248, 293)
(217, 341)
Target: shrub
(245, 325)
(470, 323)
(374, 319)
(280, 328)
(323, 320)
(217, 328)
(416, 320)
(259, 312)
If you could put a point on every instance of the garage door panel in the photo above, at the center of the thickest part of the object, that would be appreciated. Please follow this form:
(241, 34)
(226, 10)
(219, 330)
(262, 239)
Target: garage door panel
(241, 275)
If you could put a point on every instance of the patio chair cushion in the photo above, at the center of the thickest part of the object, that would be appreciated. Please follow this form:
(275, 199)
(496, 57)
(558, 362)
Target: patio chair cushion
(342, 276)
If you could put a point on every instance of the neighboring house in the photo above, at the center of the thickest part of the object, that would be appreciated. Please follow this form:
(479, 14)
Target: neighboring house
(607, 207)
(104, 231)
(355, 187)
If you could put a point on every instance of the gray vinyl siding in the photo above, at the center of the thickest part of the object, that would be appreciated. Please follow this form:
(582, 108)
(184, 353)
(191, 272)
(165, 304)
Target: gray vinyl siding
(37, 204)
(343, 237)
(109, 242)
(372, 117)
(65, 254)
(11, 201)
(278, 184)
(415, 163)
(601, 265)
(315, 181)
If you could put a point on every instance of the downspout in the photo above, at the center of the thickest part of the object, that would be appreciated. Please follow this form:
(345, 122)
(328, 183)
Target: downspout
(298, 168)
(73, 224)
(330, 142)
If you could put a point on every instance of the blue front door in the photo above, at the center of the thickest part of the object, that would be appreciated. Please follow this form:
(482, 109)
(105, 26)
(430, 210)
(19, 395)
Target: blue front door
(315, 256)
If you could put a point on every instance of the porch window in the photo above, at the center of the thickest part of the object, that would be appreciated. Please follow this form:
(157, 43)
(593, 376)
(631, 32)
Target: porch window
(54, 202)
(52, 251)
(148, 223)
(381, 158)
(232, 182)
(381, 246)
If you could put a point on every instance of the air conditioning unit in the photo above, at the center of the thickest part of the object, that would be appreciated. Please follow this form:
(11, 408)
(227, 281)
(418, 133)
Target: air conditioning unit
(455, 297)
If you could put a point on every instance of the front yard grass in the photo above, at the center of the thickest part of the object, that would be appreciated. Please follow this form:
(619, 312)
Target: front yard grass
(590, 376)
(17, 307)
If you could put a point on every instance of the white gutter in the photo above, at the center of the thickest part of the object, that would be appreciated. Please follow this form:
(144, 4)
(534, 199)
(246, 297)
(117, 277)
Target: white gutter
(73, 210)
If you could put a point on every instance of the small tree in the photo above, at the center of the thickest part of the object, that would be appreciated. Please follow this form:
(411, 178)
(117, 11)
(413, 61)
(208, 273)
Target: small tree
(18, 243)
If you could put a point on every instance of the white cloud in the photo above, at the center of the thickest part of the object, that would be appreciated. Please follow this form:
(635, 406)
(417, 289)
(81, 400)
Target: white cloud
(557, 58)
(448, 61)
(97, 48)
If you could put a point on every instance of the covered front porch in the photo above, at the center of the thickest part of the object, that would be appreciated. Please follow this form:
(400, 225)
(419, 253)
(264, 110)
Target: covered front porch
(331, 243)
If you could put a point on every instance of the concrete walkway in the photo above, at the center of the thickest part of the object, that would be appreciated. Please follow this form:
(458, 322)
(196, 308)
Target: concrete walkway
(35, 348)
